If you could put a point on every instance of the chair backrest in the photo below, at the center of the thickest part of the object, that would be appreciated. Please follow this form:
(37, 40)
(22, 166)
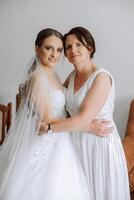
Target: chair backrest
(130, 123)
(18, 100)
(21, 93)
(6, 113)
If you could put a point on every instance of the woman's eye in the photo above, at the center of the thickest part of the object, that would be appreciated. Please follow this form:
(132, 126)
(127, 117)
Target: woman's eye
(78, 45)
(47, 48)
(60, 50)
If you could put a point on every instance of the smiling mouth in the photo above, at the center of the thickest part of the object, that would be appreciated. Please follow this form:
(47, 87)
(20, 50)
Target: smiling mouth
(74, 56)
(52, 59)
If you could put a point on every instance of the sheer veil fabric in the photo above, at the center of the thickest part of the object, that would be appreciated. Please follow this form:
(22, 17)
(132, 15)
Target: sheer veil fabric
(24, 130)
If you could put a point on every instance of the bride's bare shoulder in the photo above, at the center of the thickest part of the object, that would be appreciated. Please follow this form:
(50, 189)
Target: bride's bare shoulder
(37, 76)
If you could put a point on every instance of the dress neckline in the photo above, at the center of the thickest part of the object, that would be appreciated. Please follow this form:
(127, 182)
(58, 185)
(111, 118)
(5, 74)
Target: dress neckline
(54, 89)
(89, 78)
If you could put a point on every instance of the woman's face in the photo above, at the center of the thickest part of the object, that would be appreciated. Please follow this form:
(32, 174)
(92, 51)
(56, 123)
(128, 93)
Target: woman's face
(76, 52)
(49, 53)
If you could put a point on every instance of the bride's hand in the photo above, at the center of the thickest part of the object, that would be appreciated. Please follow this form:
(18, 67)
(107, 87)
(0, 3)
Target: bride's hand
(43, 128)
(100, 128)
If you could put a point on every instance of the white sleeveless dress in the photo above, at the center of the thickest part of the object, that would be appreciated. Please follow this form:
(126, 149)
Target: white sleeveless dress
(53, 170)
(102, 158)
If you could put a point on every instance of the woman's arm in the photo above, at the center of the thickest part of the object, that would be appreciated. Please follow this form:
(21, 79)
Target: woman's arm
(97, 126)
(100, 127)
(91, 106)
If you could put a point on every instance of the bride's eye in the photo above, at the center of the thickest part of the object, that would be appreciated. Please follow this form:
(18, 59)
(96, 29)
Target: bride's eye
(60, 50)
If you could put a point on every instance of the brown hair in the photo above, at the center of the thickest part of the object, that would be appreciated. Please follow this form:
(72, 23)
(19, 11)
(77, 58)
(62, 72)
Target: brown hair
(84, 36)
(44, 34)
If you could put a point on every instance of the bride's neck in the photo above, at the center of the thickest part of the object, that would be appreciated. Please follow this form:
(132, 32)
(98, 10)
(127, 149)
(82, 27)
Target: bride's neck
(48, 70)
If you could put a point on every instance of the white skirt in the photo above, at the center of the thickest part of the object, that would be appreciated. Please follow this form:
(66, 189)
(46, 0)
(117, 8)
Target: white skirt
(52, 171)
(104, 165)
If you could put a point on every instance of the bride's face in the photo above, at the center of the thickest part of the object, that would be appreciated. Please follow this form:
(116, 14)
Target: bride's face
(49, 53)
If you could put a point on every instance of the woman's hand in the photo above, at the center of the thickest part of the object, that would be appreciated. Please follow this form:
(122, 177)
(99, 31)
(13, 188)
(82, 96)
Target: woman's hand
(100, 127)
(43, 128)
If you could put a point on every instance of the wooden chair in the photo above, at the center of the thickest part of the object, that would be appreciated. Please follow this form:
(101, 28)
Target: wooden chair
(6, 113)
(18, 100)
(20, 94)
(132, 196)
(128, 144)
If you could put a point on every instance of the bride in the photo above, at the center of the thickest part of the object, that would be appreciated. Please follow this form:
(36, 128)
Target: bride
(44, 167)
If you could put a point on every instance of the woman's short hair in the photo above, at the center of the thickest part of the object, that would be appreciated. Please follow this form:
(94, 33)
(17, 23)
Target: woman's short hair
(84, 36)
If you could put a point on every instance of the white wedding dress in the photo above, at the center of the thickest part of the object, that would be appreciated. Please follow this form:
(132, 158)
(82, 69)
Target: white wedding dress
(102, 158)
(51, 169)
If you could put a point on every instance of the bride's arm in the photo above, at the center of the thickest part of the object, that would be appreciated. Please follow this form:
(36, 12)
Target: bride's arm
(91, 106)
(37, 93)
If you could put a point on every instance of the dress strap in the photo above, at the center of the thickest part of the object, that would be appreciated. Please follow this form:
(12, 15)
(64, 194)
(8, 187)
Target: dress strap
(98, 71)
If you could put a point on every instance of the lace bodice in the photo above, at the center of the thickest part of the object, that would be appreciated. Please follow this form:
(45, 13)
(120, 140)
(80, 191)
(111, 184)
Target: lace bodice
(57, 98)
(51, 96)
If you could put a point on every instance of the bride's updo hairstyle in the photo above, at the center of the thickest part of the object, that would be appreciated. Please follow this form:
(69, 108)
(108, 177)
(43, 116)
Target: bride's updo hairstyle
(46, 33)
